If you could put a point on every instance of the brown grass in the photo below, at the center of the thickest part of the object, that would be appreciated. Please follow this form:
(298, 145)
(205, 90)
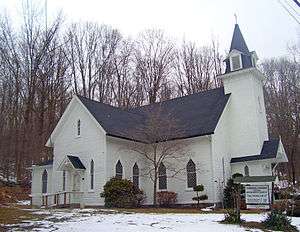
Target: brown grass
(13, 194)
(178, 210)
(13, 215)
(160, 210)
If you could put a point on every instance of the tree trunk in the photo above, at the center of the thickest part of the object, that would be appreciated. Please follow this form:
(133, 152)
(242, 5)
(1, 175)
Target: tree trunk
(155, 188)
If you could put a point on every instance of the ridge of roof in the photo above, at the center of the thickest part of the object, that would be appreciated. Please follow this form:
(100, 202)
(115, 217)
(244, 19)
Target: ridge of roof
(181, 97)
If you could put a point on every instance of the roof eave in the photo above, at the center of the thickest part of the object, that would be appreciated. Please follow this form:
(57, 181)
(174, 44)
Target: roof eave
(172, 139)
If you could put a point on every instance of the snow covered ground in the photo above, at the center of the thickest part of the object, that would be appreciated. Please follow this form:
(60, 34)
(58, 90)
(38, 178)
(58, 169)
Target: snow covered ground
(106, 220)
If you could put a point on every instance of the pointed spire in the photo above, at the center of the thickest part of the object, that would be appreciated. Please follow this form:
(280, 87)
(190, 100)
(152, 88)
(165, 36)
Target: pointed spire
(238, 42)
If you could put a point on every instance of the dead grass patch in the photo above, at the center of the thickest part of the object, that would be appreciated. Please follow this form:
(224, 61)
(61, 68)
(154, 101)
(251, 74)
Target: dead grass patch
(178, 210)
(249, 225)
(160, 210)
(14, 215)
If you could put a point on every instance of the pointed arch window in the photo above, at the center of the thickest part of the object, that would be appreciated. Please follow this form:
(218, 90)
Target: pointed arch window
(119, 170)
(92, 174)
(44, 181)
(64, 180)
(135, 175)
(78, 127)
(191, 174)
(162, 176)
(246, 170)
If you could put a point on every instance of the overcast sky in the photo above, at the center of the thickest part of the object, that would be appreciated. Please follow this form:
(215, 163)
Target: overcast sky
(266, 26)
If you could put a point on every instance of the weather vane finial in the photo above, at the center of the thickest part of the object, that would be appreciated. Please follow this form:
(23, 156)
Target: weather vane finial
(235, 16)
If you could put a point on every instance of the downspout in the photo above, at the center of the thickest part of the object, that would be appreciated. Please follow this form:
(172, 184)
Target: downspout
(212, 169)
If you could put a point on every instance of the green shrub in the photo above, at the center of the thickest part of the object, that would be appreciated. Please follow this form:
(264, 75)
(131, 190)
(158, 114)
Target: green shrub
(122, 193)
(232, 217)
(228, 195)
(237, 175)
(229, 191)
(277, 220)
(198, 188)
(200, 198)
(166, 198)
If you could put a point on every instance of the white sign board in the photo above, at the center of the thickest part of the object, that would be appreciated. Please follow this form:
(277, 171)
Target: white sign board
(257, 196)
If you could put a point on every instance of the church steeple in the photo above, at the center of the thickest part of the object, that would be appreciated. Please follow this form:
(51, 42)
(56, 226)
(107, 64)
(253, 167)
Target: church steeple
(238, 42)
(246, 110)
(239, 56)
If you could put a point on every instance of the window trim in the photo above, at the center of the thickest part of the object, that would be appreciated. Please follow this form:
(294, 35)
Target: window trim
(64, 181)
(134, 175)
(78, 126)
(194, 172)
(246, 170)
(45, 182)
(162, 175)
(92, 175)
(122, 171)
(241, 63)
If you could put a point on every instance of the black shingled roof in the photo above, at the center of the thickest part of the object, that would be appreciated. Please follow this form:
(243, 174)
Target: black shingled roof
(238, 41)
(251, 179)
(76, 162)
(199, 113)
(44, 163)
(268, 151)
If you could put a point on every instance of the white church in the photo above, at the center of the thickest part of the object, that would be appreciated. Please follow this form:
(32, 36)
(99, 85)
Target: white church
(227, 133)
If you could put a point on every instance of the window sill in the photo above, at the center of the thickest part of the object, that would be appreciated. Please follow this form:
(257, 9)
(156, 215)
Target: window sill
(91, 191)
(78, 137)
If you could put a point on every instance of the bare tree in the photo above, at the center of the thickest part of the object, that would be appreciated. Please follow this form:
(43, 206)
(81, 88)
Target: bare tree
(90, 52)
(154, 55)
(196, 68)
(160, 144)
(282, 92)
(32, 68)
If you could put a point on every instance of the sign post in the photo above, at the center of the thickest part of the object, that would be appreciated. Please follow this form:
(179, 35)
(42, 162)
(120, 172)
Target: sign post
(257, 196)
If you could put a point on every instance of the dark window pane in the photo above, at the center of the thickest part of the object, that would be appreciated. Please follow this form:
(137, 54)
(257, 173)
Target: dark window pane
(92, 174)
(44, 181)
(246, 169)
(135, 175)
(119, 170)
(78, 127)
(191, 179)
(162, 176)
(64, 180)
(191, 174)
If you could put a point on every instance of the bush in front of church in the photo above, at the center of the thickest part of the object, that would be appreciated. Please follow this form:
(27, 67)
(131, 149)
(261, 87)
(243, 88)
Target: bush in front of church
(278, 220)
(229, 192)
(228, 195)
(166, 198)
(121, 193)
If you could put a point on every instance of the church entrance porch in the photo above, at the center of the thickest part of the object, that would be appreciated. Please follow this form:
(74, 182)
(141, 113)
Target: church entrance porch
(73, 176)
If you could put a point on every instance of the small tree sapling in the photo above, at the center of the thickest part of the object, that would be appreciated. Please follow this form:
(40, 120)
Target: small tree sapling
(199, 188)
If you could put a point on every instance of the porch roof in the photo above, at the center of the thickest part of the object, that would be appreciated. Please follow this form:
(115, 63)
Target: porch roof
(76, 162)
(268, 151)
(251, 179)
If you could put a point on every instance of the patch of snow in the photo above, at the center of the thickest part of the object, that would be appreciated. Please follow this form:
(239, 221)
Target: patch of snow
(25, 202)
(67, 220)
(206, 210)
(10, 179)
